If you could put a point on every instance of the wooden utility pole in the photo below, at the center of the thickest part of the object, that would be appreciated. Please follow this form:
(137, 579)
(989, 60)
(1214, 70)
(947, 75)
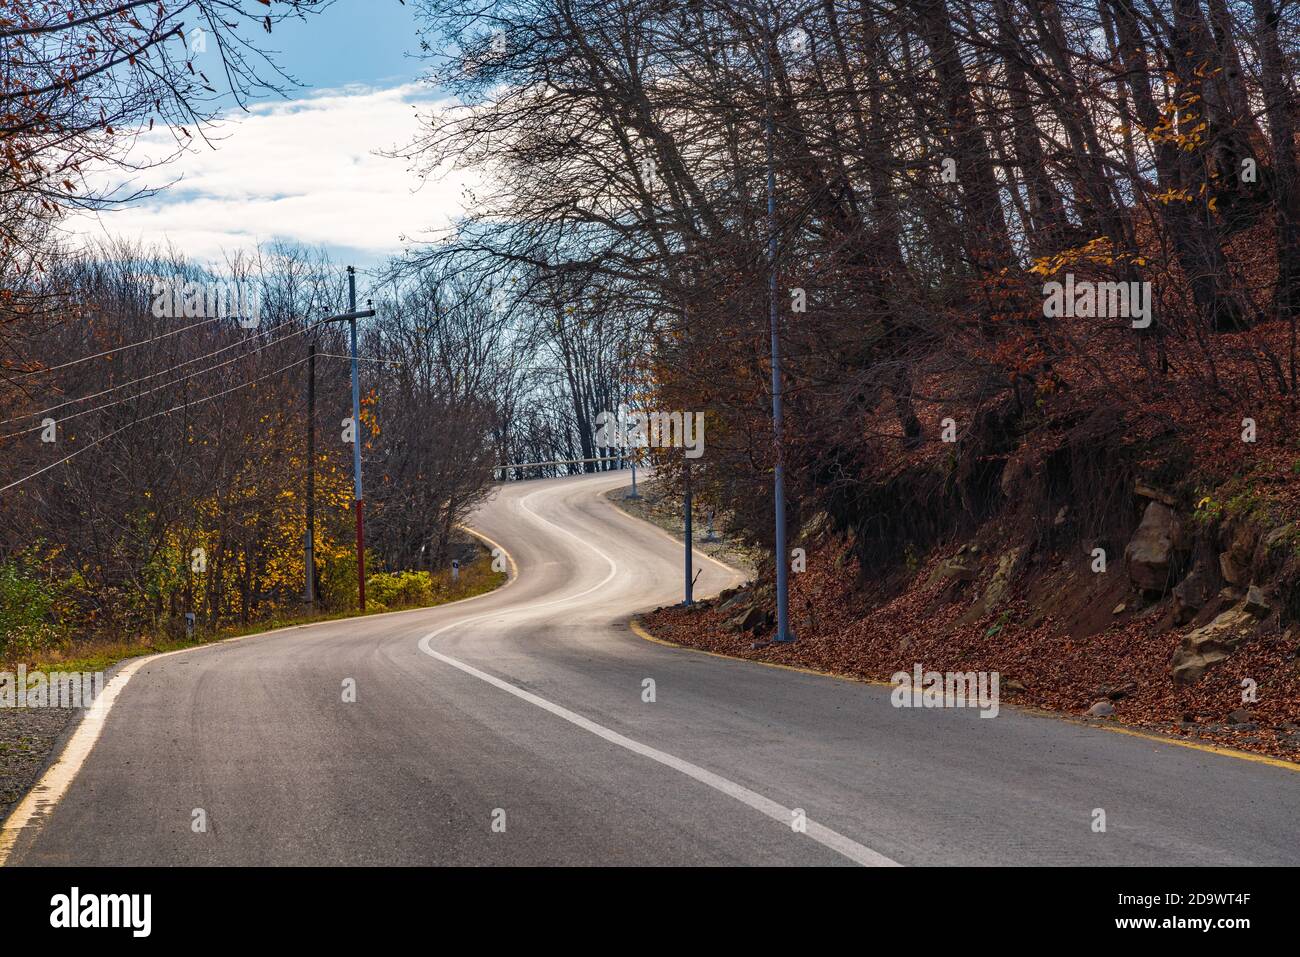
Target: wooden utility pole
(309, 561)
(351, 317)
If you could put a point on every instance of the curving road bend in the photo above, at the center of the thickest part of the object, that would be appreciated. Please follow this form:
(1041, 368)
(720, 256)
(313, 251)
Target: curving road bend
(512, 729)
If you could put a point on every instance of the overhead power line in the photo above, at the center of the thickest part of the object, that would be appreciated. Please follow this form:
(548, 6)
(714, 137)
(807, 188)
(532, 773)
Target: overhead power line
(154, 375)
(109, 352)
(138, 395)
(340, 355)
(152, 415)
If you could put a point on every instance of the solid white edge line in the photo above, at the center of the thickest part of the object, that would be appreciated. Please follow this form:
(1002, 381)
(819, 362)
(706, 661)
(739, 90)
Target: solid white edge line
(845, 846)
(37, 804)
(835, 841)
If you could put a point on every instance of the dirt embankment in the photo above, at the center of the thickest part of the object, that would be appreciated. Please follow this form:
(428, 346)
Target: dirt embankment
(655, 506)
(1187, 624)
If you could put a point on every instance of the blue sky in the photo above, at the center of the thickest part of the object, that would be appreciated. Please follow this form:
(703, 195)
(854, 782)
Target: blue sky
(352, 41)
(305, 169)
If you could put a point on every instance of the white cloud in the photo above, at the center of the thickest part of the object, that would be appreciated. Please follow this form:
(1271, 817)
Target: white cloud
(304, 170)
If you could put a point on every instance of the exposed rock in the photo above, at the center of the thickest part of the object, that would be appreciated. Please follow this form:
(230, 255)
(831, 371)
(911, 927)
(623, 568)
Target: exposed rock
(1191, 594)
(1011, 686)
(1060, 516)
(731, 601)
(1231, 571)
(1255, 602)
(747, 620)
(1273, 538)
(1116, 692)
(1235, 562)
(1271, 554)
(1151, 553)
(1102, 709)
(1001, 581)
(1244, 541)
(1240, 716)
(959, 568)
(1118, 609)
(1146, 491)
(1210, 644)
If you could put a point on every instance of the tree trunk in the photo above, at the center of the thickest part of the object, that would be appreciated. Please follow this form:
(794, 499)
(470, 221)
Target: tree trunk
(987, 241)
(1286, 181)
(1195, 242)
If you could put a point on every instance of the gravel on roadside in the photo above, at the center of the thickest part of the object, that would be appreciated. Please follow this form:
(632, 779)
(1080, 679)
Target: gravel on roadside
(27, 739)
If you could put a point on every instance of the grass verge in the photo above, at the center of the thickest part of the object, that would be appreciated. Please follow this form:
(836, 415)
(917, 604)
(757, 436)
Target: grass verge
(28, 736)
(476, 579)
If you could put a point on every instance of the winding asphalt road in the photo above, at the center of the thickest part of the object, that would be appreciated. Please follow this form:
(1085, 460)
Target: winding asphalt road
(513, 729)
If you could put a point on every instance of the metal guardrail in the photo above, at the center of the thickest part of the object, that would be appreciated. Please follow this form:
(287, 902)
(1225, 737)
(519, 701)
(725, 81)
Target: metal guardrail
(621, 461)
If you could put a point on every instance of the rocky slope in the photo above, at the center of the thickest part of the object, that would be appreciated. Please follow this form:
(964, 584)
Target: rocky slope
(1188, 627)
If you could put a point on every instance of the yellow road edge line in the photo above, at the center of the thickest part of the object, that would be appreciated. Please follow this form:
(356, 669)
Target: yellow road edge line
(634, 624)
(639, 630)
(1197, 746)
